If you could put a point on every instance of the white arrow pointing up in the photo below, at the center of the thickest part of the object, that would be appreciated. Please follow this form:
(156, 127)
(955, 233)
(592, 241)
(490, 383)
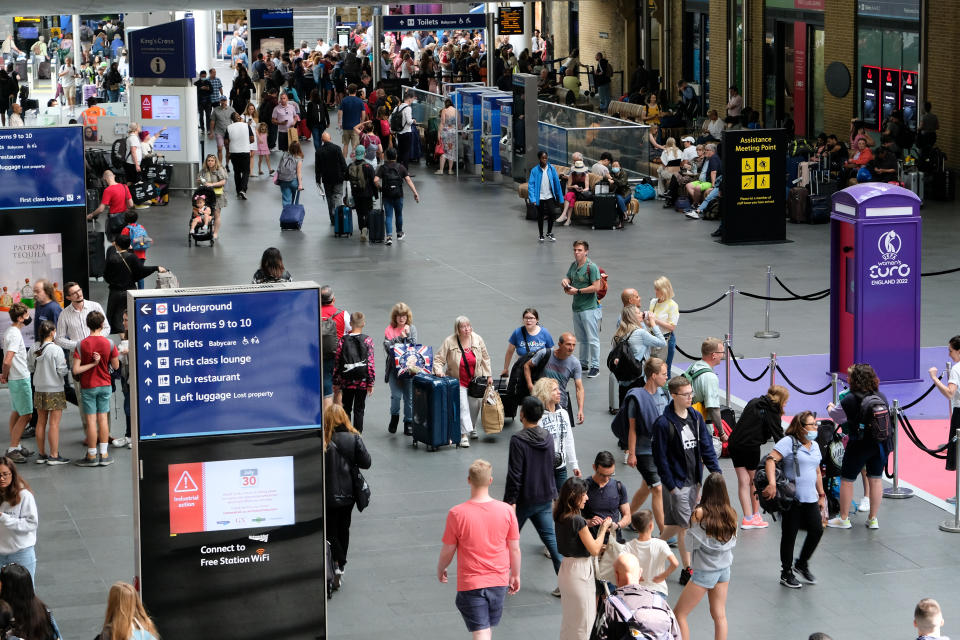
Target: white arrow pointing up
(149, 399)
(148, 381)
(146, 328)
(147, 364)
(146, 345)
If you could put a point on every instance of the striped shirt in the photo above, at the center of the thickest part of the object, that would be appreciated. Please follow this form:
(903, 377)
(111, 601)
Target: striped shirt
(72, 324)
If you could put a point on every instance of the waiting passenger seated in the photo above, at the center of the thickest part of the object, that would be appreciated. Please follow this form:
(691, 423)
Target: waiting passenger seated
(712, 129)
(571, 82)
(861, 158)
(699, 189)
(671, 159)
(884, 165)
(602, 167)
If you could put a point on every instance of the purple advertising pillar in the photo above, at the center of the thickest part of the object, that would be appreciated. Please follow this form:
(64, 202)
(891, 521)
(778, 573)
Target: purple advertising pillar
(875, 240)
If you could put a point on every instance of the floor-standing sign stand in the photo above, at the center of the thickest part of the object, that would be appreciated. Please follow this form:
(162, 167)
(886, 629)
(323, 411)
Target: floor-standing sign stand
(228, 460)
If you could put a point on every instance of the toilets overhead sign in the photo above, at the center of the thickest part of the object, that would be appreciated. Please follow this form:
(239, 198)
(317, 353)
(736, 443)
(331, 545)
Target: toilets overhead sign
(163, 51)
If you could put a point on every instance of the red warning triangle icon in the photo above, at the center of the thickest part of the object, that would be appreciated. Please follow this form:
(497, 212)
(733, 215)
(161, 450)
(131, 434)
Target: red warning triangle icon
(185, 484)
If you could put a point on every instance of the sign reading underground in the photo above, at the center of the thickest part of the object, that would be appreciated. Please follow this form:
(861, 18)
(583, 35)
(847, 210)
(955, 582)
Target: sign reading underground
(753, 203)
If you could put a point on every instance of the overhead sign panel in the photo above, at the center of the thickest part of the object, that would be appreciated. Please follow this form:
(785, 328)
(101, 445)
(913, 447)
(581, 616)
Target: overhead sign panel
(434, 22)
(510, 21)
(41, 167)
(163, 51)
(223, 363)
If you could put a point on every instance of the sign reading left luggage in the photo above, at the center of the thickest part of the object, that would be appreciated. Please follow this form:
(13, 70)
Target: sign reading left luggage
(234, 360)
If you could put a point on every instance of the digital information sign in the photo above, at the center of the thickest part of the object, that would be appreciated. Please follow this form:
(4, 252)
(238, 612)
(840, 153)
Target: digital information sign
(167, 140)
(223, 363)
(231, 494)
(228, 460)
(510, 21)
(41, 168)
(154, 107)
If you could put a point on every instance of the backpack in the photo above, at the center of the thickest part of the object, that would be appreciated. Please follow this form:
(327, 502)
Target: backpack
(118, 152)
(620, 425)
(696, 374)
(799, 147)
(644, 191)
(644, 627)
(370, 147)
(328, 337)
(396, 119)
(622, 363)
(353, 358)
(786, 489)
(139, 240)
(358, 179)
(603, 284)
(392, 183)
(875, 418)
(287, 168)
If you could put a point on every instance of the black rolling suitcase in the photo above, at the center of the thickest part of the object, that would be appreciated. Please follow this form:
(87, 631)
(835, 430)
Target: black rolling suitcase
(508, 399)
(819, 210)
(376, 224)
(605, 212)
(96, 254)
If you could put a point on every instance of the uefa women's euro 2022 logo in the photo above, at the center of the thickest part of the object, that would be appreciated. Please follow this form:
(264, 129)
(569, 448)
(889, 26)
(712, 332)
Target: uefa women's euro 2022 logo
(889, 269)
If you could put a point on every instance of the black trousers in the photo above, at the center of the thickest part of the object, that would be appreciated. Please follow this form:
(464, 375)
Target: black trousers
(364, 206)
(241, 170)
(203, 112)
(546, 209)
(802, 515)
(355, 401)
(338, 531)
(271, 135)
(404, 144)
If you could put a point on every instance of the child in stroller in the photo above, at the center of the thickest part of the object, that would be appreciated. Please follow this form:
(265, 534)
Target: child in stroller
(201, 219)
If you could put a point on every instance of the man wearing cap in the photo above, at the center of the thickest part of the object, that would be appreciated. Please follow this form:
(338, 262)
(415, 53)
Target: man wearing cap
(222, 117)
(689, 152)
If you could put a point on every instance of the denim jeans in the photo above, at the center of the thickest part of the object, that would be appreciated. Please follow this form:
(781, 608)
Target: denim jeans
(586, 326)
(401, 388)
(288, 189)
(603, 91)
(26, 558)
(113, 96)
(316, 132)
(713, 195)
(622, 202)
(391, 205)
(541, 515)
(671, 349)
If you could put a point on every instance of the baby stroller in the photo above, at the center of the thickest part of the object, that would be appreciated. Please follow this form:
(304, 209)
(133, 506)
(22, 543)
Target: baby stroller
(202, 232)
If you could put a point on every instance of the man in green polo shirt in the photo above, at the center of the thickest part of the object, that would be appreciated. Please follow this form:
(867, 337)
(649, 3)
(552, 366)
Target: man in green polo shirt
(583, 283)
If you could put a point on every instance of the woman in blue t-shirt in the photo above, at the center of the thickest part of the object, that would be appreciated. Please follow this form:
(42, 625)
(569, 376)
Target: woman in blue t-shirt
(530, 337)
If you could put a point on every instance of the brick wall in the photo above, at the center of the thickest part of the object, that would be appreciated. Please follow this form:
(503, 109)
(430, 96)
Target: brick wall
(753, 44)
(675, 45)
(558, 27)
(943, 26)
(600, 16)
(839, 18)
(718, 54)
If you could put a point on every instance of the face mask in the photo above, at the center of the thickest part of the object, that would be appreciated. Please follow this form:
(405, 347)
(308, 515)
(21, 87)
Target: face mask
(27, 321)
(811, 435)
(614, 169)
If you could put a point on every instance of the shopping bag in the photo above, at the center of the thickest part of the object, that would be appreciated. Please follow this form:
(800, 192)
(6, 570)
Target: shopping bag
(491, 411)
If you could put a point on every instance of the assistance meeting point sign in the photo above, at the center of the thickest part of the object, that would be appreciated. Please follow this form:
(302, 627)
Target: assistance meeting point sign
(753, 205)
(226, 416)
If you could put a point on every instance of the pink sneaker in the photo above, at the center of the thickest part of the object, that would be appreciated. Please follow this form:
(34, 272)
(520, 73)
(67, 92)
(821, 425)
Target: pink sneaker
(759, 522)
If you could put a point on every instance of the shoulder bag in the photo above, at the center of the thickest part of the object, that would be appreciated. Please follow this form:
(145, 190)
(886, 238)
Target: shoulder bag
(478, 386)
(361, 490)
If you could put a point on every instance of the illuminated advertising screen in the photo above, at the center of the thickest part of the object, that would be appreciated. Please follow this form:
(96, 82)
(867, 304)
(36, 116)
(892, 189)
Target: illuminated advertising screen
(167, 140)
(869, 96)
(890, 92)
(231, 494)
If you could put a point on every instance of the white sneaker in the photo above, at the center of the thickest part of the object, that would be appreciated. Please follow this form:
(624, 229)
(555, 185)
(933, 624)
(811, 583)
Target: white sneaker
(121, 441)
(864, 506)
(693, 215)
(474, 435)
(839, 523)
(465, 441)
(546, 553)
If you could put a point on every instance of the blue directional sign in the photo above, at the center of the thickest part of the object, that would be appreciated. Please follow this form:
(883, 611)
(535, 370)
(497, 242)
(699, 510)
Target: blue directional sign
(434, 22)
(41, 167)
(163, 51)
(241, 361)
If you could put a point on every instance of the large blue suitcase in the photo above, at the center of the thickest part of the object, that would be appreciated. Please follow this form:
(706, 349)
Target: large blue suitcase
(291, 217)
(436, 411)
(343, 221)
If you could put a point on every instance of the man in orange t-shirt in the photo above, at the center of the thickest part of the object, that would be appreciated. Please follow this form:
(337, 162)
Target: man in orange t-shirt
(89, 117)
(484, 535)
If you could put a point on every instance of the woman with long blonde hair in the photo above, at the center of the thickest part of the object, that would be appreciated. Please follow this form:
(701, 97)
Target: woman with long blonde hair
(126, 618)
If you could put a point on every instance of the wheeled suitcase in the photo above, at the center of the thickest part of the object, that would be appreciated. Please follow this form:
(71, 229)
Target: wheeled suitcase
(613, 395)
(914, 181)
(944, 185)
(819, 210)
(96, 254)
(798, 205)
(93, 199)
(342, 221)
(376, 225)
(605, 213)
(508, 399)
(436, 411)
(291, 217)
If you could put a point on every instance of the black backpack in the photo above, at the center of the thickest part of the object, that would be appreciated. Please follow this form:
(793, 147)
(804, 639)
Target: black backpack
(621, 361)
(875, 418)
(118, 152)
(396, 119)
(786, 489)
(353, 358)
(328, 337)
(620, 426)
(392, 182)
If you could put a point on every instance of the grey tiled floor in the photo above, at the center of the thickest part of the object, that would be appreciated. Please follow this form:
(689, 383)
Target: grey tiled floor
(468, 251)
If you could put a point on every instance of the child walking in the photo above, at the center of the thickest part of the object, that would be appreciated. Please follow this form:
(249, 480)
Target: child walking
(90, 365)
(263, 149)
(353, 369)
(711, 538)
(48, 366)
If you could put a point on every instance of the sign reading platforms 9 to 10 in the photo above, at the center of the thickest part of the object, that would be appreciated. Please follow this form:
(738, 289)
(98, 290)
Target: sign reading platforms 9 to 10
(227, 363)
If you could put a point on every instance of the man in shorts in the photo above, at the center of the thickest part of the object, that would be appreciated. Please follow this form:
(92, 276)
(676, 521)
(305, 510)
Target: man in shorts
(681, 446)
(651, 400)
(483, 533)
(90, 365)
(16, 376)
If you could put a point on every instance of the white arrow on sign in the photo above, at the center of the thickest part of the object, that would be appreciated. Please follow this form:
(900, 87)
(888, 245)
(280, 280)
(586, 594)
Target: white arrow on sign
(148, 381)
(145, 309)
(146, 328)
(149, 399)
(146, 345)
(147, 364)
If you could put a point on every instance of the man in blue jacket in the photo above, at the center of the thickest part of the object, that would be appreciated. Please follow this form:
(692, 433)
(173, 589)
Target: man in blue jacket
(544, 192)
(681, 446)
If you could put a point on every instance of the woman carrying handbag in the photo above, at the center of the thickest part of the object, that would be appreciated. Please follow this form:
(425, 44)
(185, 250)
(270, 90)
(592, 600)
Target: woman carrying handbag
(463, 355)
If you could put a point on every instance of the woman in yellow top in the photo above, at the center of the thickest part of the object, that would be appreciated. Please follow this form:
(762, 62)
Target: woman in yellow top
(666, 314)
(651, 111)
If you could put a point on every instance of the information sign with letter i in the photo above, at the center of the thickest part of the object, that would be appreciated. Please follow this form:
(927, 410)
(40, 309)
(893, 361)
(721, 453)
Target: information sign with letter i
(228, 449)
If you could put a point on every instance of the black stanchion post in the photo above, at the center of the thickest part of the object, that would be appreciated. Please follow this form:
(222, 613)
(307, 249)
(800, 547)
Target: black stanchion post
(953, 526)
(896, 491)
(767, 332)
(728, 343)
